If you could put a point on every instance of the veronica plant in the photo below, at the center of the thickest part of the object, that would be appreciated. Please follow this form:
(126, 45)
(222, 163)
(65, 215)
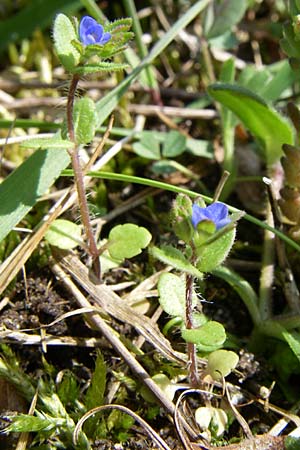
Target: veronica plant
(207, 234)
(82, 49)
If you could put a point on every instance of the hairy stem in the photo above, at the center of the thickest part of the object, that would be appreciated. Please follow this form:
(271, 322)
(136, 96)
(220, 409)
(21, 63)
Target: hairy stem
(191, 348)
(79, 180)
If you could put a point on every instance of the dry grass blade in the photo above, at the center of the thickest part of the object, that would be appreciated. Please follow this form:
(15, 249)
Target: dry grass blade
(113, 305)
(23, 439)
(98, 323)
(11, 266)
(149, 430)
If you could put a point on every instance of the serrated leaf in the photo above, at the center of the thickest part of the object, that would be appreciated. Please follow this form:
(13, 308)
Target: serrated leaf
(172, 294)
(220, 363)
(63, 234)
(20, 191)
(84, 116)
(43, 143)
(95, 393)
(68, 389)
(271, 130)
(173, 257)
(100, 67)
(64, 33)
(227, 14)
(117, 25)
(211, 334)
(26, 423)
(128, 240)
(174, 145)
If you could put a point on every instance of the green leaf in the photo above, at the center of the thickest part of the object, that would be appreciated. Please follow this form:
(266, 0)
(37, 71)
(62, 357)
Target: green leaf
(220, 363)
(68, 389)
(43, 143)
(211, 334)
(271, 130)
(292, 443)
(26, 423)
(148, 146)
(166, 385)
(200, 147)
(174, 145)
(64, 33)
(95, 393)
(84, 116)
(227, 14)
(293, 339)
(212, 255)
(174, 257)
(290, 43)
(128, 240)
(100, 67)
(64, 234)
(20, 191)
(171, 289)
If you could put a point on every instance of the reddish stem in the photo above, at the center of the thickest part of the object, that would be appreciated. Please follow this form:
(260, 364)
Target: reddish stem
(191, 348)
(79, 180)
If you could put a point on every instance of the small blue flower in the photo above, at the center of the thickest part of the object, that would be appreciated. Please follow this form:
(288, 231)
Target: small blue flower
(216, 213)
(91, 32)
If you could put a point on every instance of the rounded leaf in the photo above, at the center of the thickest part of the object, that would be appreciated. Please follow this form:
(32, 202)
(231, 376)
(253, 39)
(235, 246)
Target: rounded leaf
(64, 234)
(220, 363)
(171, 289)
(85, 120)
(206, 415)
(128, 240)
(210, 334)
(64, 33)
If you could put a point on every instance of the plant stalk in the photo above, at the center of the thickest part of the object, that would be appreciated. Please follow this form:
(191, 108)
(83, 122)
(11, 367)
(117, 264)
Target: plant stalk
(191, 348)
(79, 181)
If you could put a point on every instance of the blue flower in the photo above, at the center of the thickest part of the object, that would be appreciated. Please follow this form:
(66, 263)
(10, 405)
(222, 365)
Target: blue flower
(91, 32)
(216, 213)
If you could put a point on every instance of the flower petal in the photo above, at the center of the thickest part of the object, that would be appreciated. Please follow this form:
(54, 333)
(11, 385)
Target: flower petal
(105, 38)
(85, 23)
(216, 212)
(92, 32)
(198, 214)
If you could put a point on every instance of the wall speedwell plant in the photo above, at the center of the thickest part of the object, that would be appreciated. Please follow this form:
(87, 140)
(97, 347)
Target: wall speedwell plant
(207, 234)
(84, 48)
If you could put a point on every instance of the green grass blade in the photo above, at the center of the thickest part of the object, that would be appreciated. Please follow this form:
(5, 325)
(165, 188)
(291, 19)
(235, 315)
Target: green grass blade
(106, 105)
(20, 191)
(178, 190)
(142, 49)
(269, 128)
